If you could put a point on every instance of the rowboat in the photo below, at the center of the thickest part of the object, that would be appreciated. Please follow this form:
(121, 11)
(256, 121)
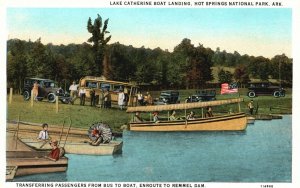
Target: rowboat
(35, 165)
(76, 142)
(227, 122)
(79, 147)
(23, 160)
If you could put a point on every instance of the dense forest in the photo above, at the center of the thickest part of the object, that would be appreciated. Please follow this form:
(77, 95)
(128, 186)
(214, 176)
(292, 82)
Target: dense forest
(188, 66)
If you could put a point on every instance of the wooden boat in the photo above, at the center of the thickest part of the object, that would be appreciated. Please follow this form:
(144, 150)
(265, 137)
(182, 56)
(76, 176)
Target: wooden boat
(23, 160)
(250, 120)
(228, 122)
(75, 144)
(35, 165)
(11, 172)
(79, 147)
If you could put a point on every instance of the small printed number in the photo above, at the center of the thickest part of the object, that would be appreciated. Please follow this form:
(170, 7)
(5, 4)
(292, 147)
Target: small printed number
(266, 186)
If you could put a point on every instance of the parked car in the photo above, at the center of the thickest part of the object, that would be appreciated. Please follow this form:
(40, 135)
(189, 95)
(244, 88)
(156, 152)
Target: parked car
(168, 97)
(264, 88)
(47, 90)
(202, 95)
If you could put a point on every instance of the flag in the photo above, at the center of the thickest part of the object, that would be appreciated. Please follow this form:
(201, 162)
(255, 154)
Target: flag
(229, 88)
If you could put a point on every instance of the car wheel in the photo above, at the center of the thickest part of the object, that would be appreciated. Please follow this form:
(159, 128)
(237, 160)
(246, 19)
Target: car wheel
(26, 95)
(276, 94)
(51, 97)
(251, 94)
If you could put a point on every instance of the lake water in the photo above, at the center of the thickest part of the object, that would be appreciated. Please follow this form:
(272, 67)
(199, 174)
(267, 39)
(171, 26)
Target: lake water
(262, 153)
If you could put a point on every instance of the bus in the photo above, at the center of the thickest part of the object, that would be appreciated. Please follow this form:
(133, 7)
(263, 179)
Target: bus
(100, 85)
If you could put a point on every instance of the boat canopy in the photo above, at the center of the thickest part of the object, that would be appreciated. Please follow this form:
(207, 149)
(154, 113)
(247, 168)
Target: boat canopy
(182, 106)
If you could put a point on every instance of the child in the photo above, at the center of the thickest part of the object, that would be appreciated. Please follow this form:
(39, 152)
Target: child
(43, 135)
(55, 151)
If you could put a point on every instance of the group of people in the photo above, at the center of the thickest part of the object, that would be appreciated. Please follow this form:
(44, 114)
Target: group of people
(57, 152)
(173, 117)
(44, 137)
(144, 99)
(103, 98)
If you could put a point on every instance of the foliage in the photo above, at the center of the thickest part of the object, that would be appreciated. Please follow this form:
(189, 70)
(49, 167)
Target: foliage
(99, 42)
(225, 76)
(241, 75)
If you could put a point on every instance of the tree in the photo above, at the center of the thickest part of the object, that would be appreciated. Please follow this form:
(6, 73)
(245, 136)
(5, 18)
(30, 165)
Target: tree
(225, 76)
(241, 75)
(99, 41)
(282, 68)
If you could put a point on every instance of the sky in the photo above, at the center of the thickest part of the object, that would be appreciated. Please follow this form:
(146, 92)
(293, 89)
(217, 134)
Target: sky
(256, 31)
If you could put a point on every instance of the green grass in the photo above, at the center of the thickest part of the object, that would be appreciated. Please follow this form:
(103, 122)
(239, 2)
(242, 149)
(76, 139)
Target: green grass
(81, 116)
(85, 116)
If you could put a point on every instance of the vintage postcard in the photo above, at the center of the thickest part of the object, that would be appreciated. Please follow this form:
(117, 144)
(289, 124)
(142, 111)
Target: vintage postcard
(144, 93)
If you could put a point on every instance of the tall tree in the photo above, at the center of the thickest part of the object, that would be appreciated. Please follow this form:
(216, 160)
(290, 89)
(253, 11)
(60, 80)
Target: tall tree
(99, 41)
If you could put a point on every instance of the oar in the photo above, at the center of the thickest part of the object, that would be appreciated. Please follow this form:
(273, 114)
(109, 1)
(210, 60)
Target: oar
(62, 129)
(68, 132)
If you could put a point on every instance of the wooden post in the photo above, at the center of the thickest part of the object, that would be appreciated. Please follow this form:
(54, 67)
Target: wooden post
(202, 112)
(10, 95)
(31, 100)
(56, 103)
(239, 105)
(129, 98)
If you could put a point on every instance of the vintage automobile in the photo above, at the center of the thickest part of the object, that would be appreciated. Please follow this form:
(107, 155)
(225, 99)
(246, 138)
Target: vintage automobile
(202, 95)
(168, 97)
(47, 90)
(264, 88)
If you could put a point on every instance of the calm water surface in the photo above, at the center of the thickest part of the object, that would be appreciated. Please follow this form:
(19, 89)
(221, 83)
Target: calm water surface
(262, 153)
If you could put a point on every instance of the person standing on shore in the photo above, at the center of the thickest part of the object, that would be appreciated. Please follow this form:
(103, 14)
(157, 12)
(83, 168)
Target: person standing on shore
(73, 92)
(35, 90)
(121, 99)
(251, 107)
(82, 96)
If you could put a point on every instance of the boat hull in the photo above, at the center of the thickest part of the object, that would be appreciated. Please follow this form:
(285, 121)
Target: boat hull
(114, 147)
(27, 166)
(232, 122)
(24, 160)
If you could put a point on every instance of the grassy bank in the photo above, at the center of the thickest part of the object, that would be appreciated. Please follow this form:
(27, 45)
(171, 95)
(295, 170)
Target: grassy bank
(85, 116)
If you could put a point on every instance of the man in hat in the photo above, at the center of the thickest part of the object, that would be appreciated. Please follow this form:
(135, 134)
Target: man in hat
(55, 151)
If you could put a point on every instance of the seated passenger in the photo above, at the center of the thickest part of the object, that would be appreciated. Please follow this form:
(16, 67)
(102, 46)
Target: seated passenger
(137, 118)
(155, 117)
(191, 116)
(55, 151)
(43, 135)
(209, 112)
(173, 116)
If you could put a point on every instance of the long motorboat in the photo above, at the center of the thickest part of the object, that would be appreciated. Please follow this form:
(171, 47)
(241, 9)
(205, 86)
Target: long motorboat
(227, 122)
